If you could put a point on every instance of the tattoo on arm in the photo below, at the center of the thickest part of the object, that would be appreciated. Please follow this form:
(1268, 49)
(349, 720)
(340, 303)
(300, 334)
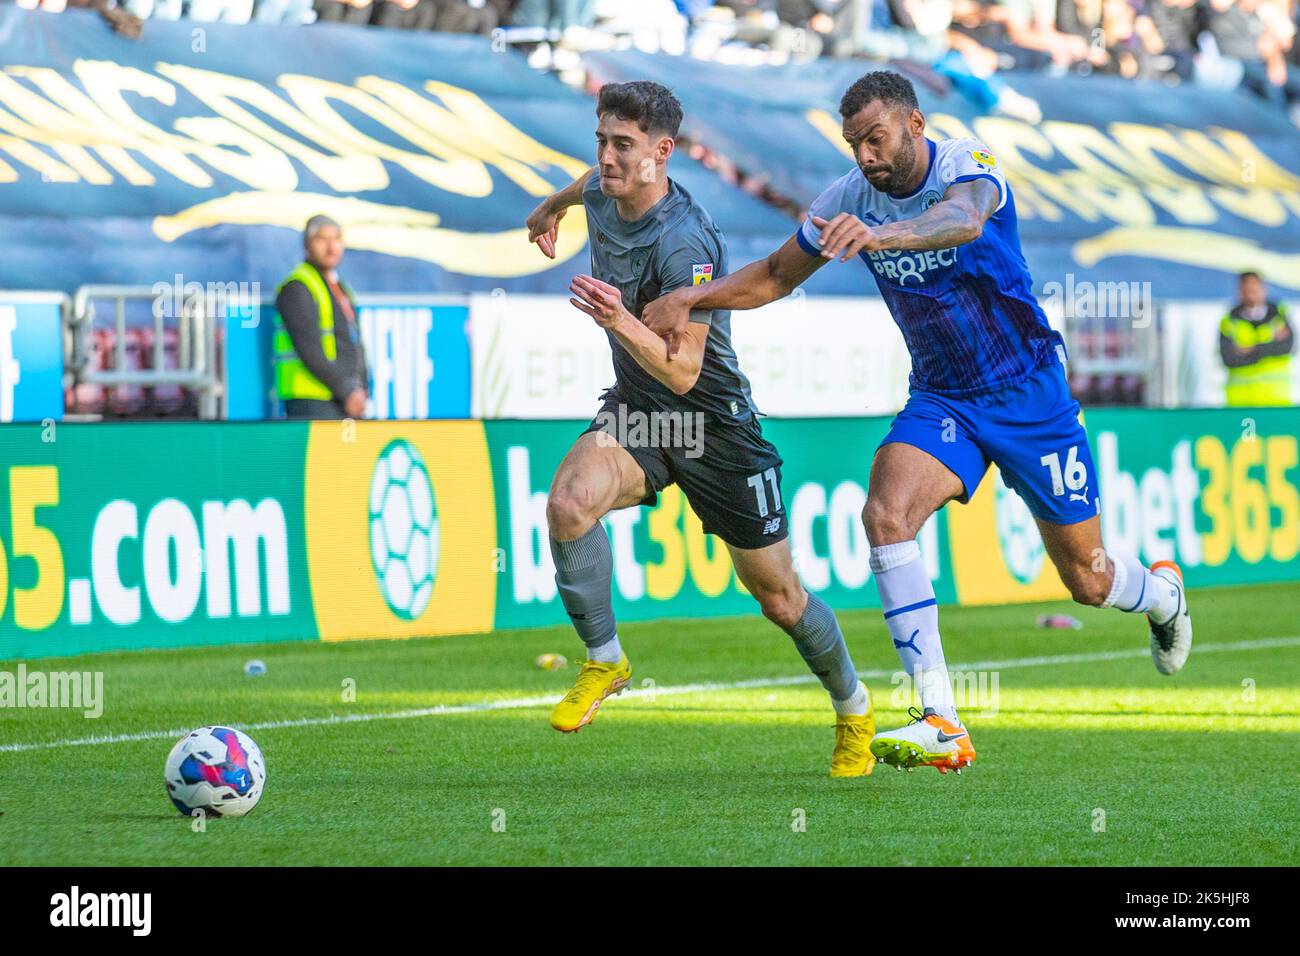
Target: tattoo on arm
(956, 219)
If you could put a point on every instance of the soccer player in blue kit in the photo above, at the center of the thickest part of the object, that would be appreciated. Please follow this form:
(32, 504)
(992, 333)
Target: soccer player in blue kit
(936, 225)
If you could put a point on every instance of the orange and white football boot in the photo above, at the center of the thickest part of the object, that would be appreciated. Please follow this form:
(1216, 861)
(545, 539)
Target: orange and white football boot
(929, 741)
(1171, 641)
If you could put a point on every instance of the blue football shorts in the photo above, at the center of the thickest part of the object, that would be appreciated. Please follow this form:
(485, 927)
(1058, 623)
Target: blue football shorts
(1031, 431)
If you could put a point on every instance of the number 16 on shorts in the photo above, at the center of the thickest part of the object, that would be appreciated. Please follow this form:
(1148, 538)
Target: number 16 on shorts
(1072, 475)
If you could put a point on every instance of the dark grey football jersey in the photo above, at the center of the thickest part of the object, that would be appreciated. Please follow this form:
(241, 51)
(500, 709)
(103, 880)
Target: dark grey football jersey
(675, 244)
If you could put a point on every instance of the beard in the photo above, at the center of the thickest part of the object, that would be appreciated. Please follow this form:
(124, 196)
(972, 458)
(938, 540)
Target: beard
(901, 169)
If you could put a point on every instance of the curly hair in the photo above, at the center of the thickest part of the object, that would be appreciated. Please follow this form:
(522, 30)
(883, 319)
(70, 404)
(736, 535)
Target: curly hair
(652, 107)
(889, 87)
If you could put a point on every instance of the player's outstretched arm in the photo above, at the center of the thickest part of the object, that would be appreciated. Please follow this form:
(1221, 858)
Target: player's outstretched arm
(604, 303)
(544, 222)
(956, 219)
(757, 284)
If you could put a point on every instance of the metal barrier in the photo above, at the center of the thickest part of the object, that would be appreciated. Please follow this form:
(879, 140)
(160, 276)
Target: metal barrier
(196, 338)
(1115, 357)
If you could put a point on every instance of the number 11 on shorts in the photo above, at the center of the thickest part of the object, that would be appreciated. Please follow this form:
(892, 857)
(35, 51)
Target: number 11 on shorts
(756, 482)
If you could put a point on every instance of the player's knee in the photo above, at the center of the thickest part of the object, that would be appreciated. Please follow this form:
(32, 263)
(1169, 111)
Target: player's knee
(568, 512)
(884, 523)
(783, 607)
(1085, 585)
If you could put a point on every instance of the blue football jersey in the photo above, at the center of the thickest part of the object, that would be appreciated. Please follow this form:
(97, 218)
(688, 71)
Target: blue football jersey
(968, 314)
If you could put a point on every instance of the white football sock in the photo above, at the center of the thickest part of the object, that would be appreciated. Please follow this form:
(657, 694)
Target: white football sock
(912, 613)
(611, 652)
(1138, 591)
(856, 705)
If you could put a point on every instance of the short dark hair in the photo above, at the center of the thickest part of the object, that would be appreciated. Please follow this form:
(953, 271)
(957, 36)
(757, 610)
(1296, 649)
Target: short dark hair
(892, 89)
(651, 106)
(1248, 274)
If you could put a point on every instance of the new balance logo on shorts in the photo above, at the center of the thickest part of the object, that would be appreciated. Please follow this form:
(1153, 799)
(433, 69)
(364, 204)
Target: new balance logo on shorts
(772, 526)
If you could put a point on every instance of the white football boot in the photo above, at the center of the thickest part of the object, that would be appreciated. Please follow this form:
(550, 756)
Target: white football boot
(929, 741)
(1171, 642)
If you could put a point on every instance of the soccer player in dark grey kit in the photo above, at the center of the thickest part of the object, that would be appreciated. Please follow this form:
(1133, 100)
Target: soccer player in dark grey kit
(649, 237)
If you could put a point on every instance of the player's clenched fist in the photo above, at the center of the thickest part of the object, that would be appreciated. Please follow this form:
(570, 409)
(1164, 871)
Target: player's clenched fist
(844, 236)
(600, 300)
(668, 317)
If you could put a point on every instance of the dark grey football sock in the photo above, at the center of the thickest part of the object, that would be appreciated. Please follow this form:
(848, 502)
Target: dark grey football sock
(584, 569)
(821, 643)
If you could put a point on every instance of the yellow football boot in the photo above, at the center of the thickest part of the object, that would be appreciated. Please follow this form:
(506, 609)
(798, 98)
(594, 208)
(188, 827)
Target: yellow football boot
(852, 756)
(595, 682)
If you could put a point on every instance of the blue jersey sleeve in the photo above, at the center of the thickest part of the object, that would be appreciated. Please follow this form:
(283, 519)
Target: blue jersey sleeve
(826, 206)
(964, 160)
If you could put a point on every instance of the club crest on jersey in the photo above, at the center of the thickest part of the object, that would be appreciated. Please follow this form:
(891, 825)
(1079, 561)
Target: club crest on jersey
(984, 158)
(929, 199)
(701, 272)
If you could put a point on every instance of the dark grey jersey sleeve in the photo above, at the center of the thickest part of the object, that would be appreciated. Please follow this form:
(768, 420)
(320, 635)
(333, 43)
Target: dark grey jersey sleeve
(692, 257)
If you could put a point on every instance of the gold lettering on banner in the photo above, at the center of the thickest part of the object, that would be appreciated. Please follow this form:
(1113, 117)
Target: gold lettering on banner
(1104, 159)
(105, 84)
(377, 227)
(80, 126)
(1183, 198)
(449, 138)
(508, 148)
(251, 160)
(439, 162)
(1015, 139)
(233, 98)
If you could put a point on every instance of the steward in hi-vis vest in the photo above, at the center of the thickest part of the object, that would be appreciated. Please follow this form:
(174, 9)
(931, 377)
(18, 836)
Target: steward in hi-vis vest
(320, 367)
(1255, 341)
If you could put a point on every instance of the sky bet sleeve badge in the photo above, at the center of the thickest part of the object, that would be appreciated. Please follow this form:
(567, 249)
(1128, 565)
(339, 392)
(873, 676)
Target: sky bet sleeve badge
(984, 158)
(701, 272)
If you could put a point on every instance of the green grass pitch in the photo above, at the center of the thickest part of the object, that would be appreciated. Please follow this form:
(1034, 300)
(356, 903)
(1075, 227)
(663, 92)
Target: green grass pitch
(1094, 762)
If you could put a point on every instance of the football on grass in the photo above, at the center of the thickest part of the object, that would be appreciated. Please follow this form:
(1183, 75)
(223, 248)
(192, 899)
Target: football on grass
(218, 770)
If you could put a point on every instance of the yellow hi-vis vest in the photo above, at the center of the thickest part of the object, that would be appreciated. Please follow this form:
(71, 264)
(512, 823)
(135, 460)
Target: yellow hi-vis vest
(292, 377)
(1266, 381)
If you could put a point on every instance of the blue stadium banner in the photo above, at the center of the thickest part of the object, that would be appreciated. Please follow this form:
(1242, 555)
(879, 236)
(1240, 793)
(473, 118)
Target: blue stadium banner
(417, 351)
(202, 150)
(1169, 190)
(31, 356)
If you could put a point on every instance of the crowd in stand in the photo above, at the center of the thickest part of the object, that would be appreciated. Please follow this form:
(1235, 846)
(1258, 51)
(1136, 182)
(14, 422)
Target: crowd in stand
(1218, 43)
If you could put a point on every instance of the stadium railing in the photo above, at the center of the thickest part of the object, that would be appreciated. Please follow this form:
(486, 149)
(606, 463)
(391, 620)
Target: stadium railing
(142, 361)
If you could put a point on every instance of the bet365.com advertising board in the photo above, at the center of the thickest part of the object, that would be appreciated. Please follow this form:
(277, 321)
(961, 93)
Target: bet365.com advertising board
(337, 530)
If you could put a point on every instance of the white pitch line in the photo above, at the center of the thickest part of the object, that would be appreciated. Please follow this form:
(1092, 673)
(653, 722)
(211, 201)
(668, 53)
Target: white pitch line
(517, 703)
